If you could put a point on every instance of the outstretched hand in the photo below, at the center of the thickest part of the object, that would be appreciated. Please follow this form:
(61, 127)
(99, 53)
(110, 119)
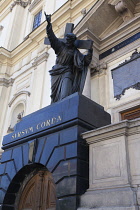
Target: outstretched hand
(48, 18)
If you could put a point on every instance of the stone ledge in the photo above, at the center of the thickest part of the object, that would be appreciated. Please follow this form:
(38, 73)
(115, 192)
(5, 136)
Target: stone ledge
(115, 199)
(125, 127)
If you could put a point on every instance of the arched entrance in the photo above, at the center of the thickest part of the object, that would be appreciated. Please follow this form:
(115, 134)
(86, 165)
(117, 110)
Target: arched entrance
(37, 192)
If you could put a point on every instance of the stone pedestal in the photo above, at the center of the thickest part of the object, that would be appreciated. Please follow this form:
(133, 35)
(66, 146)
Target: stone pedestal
(114, 167)
(51, 138)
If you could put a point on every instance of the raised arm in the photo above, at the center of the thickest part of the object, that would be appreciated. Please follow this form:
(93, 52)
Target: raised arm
(55, 43)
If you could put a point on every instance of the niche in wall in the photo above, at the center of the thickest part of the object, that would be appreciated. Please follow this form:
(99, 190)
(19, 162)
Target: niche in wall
(17, 115)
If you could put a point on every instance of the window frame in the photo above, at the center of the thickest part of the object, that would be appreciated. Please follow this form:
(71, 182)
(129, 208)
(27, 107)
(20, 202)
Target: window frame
(37, 20)
(131, 114)
(123, 107)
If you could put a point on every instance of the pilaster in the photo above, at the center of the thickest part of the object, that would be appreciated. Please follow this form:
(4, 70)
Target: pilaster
(17, 23)
(5, 89)
(40, 69)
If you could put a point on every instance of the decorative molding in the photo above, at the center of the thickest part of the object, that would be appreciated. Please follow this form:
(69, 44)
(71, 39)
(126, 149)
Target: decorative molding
(22, 3)
(6, 82)
(94, 67)
(33, 5)
(123, 8)
(107, 132)
(83, 11)
(18, 94)
(122, 128)
(137, 8)
(120, 45)
(97, 68)
(43, 57)
(113, 2)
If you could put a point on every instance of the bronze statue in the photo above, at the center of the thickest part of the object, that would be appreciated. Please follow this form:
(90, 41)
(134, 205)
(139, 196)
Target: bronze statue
(68, 75)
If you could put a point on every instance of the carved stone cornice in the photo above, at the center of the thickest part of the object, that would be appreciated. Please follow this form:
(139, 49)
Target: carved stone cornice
(123, 128)
(43, 57)
(35, 2)
(6, 82)
(123, 7)
(22, 3)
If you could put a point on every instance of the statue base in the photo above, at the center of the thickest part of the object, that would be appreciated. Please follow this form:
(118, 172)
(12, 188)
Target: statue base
(51, 138)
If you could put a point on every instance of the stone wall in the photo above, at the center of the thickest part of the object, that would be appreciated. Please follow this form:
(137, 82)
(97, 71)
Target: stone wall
(114, 167)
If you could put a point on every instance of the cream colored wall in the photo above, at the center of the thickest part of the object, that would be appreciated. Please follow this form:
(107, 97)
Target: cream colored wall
(4, 96)
(5, 23)
(59, 3)
(29, 63)
(18, 21)
(102, 84)
(105, 85)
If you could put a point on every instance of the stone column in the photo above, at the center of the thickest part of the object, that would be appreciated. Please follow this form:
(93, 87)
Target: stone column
(5, 88)
(6, 83)
(17, 23)
(39, 66)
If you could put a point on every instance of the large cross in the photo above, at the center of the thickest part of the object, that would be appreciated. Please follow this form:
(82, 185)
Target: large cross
(81, 44)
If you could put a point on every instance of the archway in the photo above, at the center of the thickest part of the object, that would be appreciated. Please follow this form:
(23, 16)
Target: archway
(37, 193)
(36, 190)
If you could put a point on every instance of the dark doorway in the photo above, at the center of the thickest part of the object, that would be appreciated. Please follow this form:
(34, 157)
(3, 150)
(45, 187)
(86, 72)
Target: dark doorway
(37, 192)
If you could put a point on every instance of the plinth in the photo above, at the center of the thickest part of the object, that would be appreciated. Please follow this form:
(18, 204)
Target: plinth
(51, 138)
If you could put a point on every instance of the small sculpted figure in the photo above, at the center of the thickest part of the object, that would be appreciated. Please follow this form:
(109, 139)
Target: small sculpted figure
(68, 75)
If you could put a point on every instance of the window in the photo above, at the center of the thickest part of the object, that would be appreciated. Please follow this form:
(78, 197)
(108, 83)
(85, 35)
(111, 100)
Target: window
(131, 114)
(37, 20)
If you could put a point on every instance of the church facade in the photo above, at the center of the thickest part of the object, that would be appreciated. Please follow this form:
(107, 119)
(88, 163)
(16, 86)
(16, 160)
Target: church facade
(113, 82)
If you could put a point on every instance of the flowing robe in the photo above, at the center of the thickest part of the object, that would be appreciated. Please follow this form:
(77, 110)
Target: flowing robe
(68, 75)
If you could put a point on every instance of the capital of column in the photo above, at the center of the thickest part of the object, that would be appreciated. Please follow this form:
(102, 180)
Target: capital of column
(97, 68)
(38, 60)
(6, 82)
(22, 3)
